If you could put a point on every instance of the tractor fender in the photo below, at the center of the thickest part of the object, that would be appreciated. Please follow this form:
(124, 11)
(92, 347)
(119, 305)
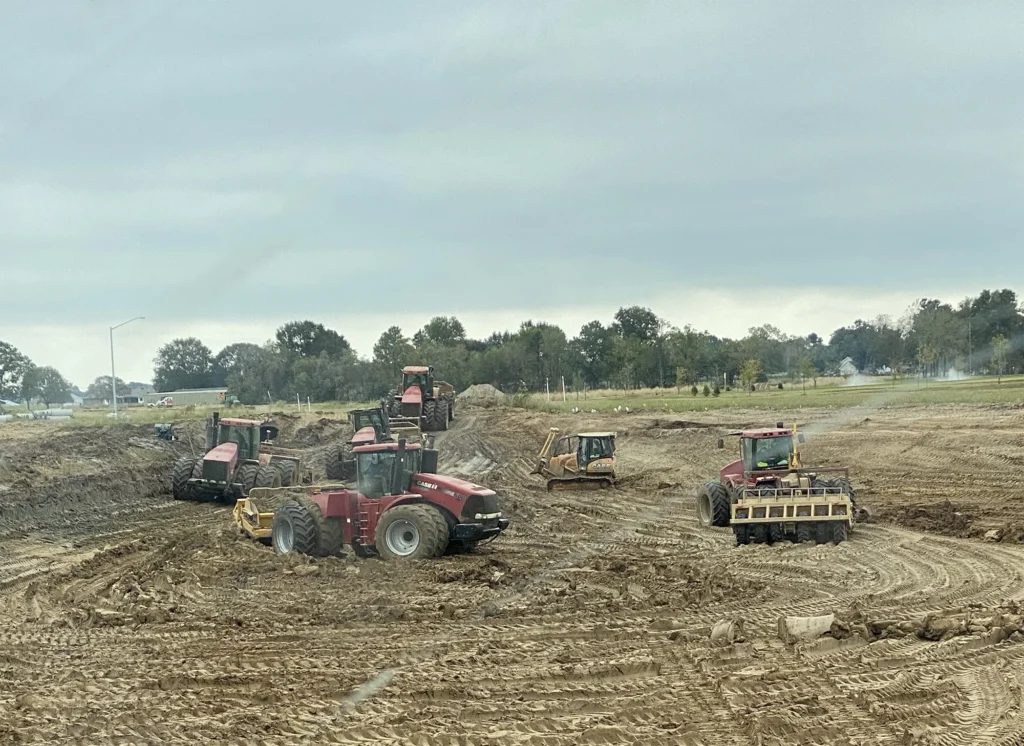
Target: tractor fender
(450, 518)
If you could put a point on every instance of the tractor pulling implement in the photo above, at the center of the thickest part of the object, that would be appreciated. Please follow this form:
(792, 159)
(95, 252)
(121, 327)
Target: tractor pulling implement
(400, 509)
(239, 456)
(767, 496)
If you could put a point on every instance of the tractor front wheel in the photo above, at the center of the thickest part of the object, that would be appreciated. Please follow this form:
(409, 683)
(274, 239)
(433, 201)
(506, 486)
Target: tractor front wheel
(414, 531)
(428, 415)
(179, 478)
(713, 505)
(440, 415)
(294, 530)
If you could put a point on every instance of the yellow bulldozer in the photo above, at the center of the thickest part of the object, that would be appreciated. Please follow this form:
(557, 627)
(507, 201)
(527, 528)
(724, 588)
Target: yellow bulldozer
(577, 460)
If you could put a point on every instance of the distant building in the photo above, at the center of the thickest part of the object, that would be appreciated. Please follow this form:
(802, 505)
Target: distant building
(186, 397)
(847, 368)
(139, 390)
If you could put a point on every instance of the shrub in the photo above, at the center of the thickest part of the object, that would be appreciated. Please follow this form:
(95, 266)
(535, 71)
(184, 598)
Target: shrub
(716, 391)
(693, 390)
(707, 390)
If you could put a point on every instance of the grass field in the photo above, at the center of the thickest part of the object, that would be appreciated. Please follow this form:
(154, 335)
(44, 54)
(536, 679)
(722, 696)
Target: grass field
(980, 390)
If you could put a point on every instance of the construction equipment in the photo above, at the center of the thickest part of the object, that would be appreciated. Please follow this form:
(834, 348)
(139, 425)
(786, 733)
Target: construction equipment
(368, 426)
(577, 460)
(239, 456)
(400, 508)
(767, 496)
(421, 403)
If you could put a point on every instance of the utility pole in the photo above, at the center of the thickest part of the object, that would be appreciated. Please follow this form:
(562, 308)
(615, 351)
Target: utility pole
(113, 373)
(970, 346)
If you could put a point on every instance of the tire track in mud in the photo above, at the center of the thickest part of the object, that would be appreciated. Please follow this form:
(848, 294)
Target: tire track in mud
(588, 623)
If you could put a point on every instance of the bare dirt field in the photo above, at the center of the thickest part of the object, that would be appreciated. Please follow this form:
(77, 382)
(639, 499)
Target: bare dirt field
(129, 618)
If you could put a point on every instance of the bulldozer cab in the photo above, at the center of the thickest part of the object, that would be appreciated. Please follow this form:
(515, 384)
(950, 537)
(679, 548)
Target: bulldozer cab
(595, 446)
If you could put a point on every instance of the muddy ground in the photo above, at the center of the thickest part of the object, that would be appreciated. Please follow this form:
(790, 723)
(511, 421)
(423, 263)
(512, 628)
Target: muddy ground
(129, 618)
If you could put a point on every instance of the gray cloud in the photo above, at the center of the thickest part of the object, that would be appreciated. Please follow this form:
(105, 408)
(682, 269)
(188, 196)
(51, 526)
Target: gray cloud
(656, 149)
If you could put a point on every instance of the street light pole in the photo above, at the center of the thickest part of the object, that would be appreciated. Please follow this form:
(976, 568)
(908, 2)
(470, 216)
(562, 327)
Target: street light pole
(113, 373)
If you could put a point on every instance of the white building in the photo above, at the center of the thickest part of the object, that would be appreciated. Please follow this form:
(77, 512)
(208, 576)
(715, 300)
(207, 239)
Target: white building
(847, 368)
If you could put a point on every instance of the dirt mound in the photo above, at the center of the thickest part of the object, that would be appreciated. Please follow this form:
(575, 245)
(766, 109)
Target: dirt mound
(324, 430)
(483, 395)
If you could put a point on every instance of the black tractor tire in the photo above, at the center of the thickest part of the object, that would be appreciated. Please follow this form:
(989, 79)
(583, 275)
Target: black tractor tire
(329, 530)
(823, 532)
(416, 531)
(742, 534)
(440, 415)
(759, 533)
(334, 463)
(428, 415)
(267, 476)
(179, 478)
(287, 470)
(294, 530)
(451, 408)
(776, 533)
(805, 532)
(714, 507)
(840, 532)
(246, 476)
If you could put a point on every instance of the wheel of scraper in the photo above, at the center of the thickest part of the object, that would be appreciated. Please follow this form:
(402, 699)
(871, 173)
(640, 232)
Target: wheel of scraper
(823, 532)
(759, 533)
(776, 532)
(742, 535)
(839, 532)
(805, 532)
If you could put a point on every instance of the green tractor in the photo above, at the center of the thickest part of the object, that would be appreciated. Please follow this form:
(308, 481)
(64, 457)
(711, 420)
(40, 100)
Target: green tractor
(239, 456)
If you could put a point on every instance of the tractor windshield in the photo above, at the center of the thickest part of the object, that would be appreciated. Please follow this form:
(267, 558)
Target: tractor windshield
(414, 379)
(371, 418)
(376, 470)
(768, 453)
(243, 436)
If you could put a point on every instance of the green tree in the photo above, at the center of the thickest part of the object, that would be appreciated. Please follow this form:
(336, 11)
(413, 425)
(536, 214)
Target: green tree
(183, 363)
(593, 347)
(13, 367)
(309, 339)
(682, 377)
(441, 330)
(807, 370)
(101, 388)
(926, 357)
(47, 385)
(750, 372)
(1000, 353)
(233, 359)
(392, 352)
(706, 390)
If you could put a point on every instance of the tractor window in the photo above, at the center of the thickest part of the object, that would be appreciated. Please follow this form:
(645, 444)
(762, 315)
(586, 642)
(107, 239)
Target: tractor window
(375, 473)
(772, 453)
(600, 448)
(414, 379)
(243, 436)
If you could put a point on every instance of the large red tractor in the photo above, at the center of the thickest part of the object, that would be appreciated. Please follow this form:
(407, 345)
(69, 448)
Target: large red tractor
(400, 509)
(421, 403)
(238, 457)
(766, 494)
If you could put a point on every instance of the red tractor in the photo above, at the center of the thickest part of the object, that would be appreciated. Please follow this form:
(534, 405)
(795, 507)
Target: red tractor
(766, 494)
(369, 426)
(400, 509)
(239, 456)
(421, 403)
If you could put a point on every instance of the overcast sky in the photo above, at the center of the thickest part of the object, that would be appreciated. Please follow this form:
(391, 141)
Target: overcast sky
(224, 167)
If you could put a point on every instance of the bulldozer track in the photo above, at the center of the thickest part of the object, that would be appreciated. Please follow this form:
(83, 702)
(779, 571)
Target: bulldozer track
(131, 618)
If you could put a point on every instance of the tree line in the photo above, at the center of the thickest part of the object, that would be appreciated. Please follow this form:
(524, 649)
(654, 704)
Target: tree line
(981, 334)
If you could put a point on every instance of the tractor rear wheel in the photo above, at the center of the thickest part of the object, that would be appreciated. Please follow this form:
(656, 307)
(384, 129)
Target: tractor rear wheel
(246, 476)
(267, 476)
(840, 532)
(294, 530)
(713, 505)
(805, 531)
(429, 415)
(334, 464)
(414, 531)
(287, 471)
(440, 415)
(179, 478)
(742, 535)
